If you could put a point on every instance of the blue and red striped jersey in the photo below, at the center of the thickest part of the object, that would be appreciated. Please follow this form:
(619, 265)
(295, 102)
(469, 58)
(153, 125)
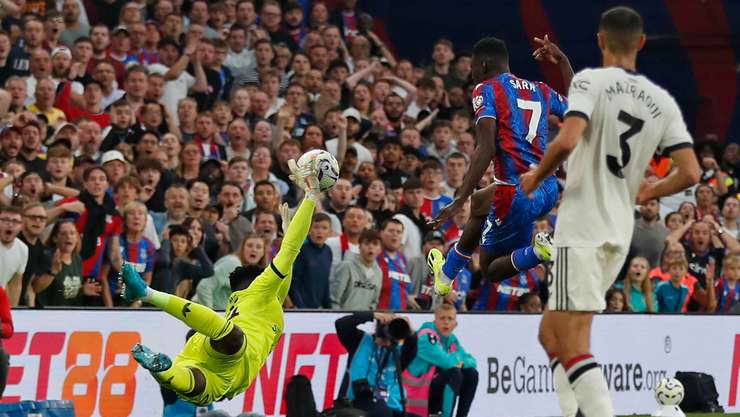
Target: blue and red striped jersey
(727, 295)
(140, 254)
(431, 207)
(504, 295)
(114, 225)
(521, 108)
(396, 281)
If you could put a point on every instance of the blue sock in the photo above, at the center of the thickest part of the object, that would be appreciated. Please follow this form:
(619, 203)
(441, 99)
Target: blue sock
(456, 260)
(524, 259)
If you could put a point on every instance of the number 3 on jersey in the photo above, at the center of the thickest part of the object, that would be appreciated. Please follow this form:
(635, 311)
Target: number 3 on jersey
(534, 117)
(635, 126)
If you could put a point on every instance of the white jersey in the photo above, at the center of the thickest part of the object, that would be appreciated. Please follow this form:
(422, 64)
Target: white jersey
(629, 117)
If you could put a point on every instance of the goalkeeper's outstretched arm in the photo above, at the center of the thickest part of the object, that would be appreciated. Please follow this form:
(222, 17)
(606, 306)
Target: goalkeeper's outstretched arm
(297, 230)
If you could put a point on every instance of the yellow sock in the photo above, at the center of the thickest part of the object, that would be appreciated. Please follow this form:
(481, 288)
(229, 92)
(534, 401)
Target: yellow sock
(199, 318)
(178, 378)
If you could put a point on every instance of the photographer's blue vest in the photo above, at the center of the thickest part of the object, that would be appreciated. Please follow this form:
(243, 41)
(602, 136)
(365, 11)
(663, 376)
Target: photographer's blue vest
(366, 362)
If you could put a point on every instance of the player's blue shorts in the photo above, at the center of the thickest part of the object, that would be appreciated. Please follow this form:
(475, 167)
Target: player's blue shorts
(510, 221)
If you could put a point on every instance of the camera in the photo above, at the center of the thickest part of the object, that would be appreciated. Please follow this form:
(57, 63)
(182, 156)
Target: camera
(362, 388)
(396, 330)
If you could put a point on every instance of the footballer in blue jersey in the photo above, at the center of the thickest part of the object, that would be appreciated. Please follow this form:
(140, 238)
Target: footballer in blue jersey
(511, 122)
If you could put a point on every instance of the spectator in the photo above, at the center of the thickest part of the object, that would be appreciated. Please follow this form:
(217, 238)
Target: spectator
(236, 225)
(6, 70)
(130, 246)
(375, 199)
(730, 215)
(97, 219)
(354, 223)
(705, 201)
(707, 244)
(396, 278)
(374, 383)
(18, 90)
(62, 284)
(442, 56)
(431, 179)
(29, 154)
(91, 108)
(34, 220)
(615, 301)
(675, 221)
(441, 147)
(310, 287)
(672, 296)
(442, 370)
(649, 234)
(13, 253)
(181, 262)
(413, 220)
(390, 155)
(457, 166)
(44, 102)
(340, 197)
(177, 205)
(637, 287)
(239, 58)
(59, 163)
(191, 157)
(129, 189)
(266, 198)
(73, 27)
(530, 303)
(355, 283)
(82, 55)
(506, 295)
(215, 291)
(727, 288)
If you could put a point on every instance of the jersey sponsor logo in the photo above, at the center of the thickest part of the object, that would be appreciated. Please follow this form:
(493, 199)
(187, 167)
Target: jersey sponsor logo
(514, 291)
(477, 102)
(399, 276)
(580, 85)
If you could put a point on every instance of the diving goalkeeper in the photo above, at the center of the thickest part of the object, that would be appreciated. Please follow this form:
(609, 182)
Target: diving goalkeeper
(225, 355)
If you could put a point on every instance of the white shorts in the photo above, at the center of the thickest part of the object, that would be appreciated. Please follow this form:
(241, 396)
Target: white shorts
(582, 275)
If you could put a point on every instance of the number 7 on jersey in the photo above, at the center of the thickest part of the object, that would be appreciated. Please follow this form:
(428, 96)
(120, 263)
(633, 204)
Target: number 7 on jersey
(535, 109)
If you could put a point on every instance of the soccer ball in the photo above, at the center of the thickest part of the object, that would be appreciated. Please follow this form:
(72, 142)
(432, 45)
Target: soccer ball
(325, 167)
(669, 392)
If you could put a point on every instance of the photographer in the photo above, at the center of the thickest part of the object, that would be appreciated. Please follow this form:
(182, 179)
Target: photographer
(377, 361)
(442, 370)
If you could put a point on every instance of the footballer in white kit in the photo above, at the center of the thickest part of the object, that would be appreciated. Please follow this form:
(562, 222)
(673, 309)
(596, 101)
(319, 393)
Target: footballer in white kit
(615, 122)
(629, 117)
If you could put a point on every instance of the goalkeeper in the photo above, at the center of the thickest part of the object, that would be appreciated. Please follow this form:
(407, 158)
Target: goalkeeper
(225, 355)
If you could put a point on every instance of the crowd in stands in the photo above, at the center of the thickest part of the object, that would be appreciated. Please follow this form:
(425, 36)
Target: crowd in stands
(158, 133)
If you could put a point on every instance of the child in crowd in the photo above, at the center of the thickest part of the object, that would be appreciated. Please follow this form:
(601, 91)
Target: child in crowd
(672, 295)
(357, 280)
(727, 288)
